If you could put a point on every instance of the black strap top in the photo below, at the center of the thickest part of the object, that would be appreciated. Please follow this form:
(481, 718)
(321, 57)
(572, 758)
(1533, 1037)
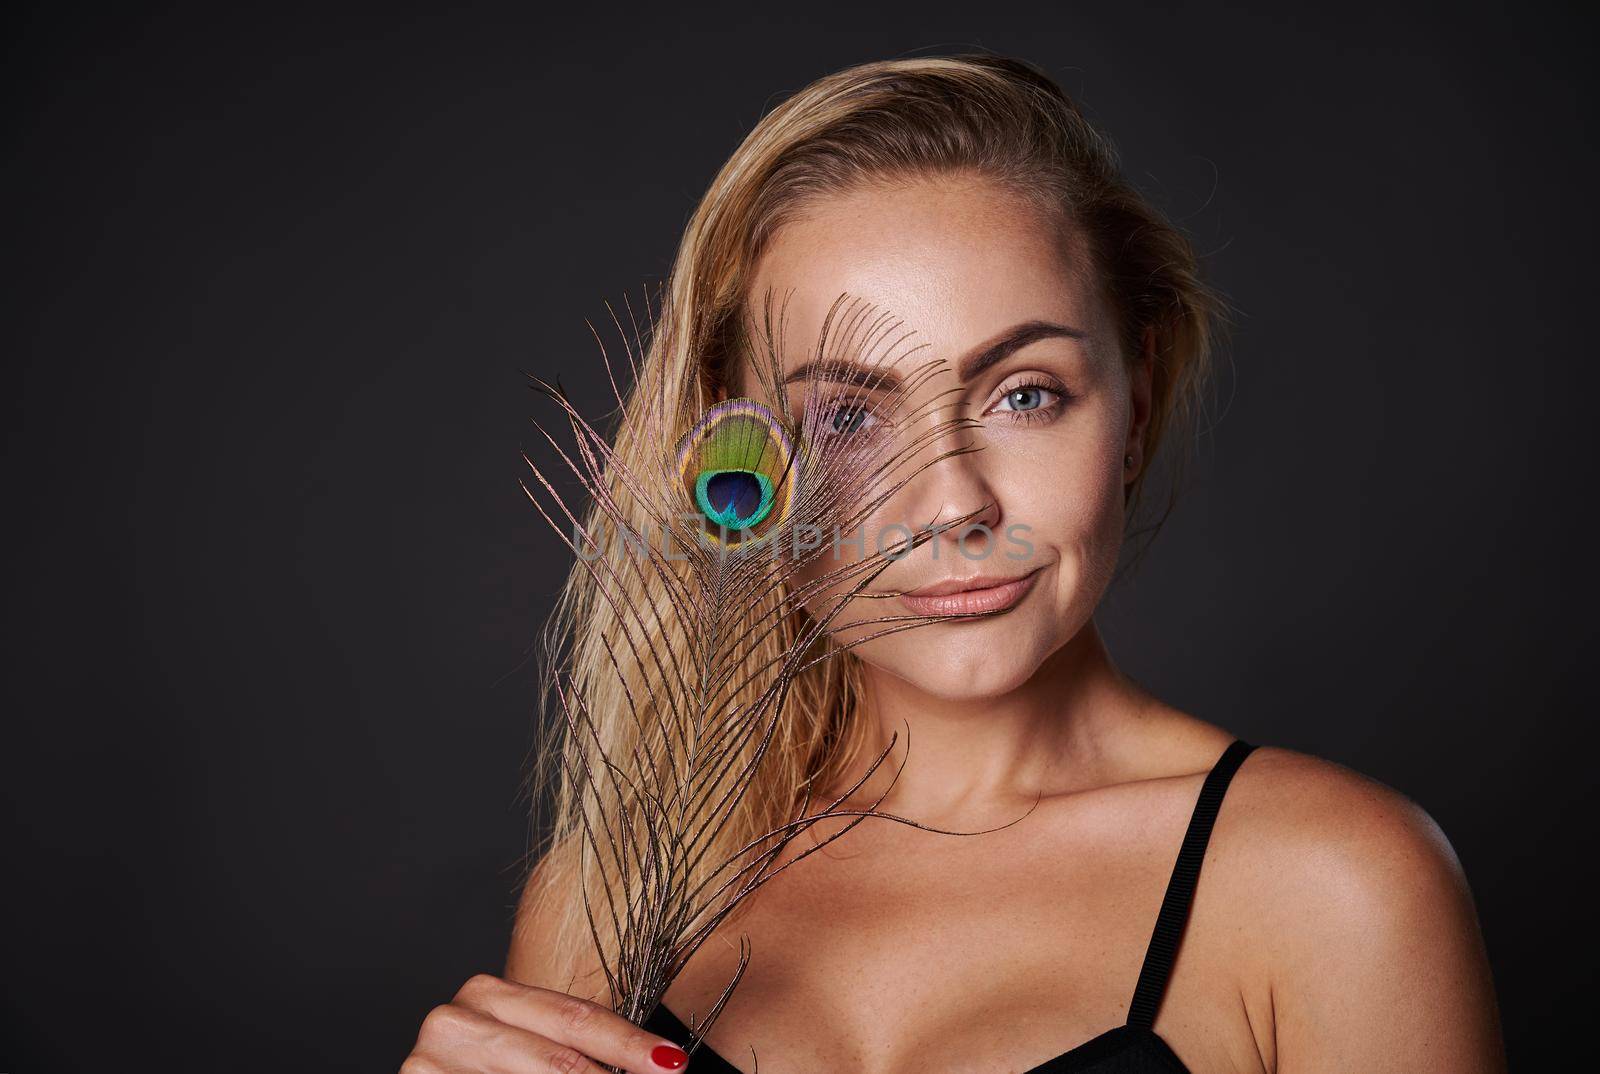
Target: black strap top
(1131, 1048)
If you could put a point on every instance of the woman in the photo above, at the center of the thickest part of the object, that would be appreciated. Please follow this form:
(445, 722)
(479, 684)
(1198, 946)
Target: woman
(1330, 929)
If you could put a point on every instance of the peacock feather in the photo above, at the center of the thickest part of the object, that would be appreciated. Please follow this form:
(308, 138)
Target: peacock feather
(703, 629)
(737, 464)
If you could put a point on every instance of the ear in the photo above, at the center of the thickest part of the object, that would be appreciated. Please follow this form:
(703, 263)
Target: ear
(1141, 376)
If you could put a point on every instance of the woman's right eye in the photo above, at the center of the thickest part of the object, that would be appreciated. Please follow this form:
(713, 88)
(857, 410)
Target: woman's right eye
(846, 420)
(849, 419)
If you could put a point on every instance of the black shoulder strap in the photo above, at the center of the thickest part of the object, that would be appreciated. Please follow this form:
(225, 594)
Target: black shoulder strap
(1180, 888)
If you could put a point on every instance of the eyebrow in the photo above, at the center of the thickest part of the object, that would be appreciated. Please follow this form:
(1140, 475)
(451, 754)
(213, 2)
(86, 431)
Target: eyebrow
(997, 350)
(1011, 340)
(852, 373)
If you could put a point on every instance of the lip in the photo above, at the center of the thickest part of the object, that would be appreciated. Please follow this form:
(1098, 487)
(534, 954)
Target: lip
(969, 596)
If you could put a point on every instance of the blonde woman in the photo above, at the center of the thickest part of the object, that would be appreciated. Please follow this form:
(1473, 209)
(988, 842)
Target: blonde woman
(1177, 900)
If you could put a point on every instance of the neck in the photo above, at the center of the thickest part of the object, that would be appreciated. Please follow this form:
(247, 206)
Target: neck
(975, 756)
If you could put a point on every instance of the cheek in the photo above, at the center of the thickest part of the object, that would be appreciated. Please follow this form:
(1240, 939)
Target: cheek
(1065, 484)
(836, 555)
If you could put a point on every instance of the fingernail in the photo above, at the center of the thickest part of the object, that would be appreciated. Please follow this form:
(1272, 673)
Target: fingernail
(669, 1057)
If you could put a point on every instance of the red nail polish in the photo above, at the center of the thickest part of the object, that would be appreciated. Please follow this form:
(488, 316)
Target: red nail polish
(669, 1056)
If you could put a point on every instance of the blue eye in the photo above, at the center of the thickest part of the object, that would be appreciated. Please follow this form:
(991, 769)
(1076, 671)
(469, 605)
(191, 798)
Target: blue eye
(1026, 398)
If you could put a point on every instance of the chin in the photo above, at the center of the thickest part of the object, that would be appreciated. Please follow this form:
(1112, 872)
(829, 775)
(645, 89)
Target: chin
(964, 661)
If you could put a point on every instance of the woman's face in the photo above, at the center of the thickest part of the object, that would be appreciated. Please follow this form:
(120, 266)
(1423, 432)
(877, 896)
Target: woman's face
(1008, 297)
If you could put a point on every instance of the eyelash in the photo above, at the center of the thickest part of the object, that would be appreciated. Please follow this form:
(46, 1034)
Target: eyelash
(862, 413)
(1043, 412)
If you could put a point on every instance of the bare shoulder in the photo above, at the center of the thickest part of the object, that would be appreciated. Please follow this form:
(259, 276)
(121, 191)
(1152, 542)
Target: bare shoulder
(1328, 848)
(1319, 816)
(530, 959)
(541, 950)
(1359, 917)
(1300, 815)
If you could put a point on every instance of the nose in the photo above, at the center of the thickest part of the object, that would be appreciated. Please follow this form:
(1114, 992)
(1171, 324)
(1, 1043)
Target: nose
(953, 496)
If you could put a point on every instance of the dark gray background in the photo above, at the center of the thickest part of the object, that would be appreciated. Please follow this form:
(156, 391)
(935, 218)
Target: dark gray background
(278, 275)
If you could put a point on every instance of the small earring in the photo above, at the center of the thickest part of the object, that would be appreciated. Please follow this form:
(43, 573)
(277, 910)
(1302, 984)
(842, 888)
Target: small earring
(1127, 462)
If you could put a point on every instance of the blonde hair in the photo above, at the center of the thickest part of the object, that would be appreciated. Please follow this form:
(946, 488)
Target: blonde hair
(894, 120)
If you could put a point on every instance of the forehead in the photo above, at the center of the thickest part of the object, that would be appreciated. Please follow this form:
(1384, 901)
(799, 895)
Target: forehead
(957, 259)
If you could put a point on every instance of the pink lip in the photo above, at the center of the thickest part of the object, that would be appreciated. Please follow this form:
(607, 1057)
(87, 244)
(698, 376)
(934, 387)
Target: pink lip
(969, 596)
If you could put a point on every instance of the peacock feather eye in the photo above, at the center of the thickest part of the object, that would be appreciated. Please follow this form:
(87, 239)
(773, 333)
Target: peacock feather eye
(736, 466)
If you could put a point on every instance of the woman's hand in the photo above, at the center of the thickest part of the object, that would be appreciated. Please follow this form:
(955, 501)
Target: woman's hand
(508, 1028)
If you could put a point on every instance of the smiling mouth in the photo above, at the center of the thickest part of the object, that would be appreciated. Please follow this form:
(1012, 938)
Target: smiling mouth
(973, 596)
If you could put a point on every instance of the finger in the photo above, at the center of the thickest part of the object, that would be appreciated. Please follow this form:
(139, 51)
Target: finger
(457, 1039)
(577, 1023)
